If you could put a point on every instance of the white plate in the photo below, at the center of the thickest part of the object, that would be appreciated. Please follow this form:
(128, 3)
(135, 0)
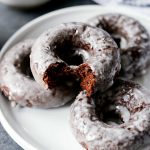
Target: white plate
(49, 129)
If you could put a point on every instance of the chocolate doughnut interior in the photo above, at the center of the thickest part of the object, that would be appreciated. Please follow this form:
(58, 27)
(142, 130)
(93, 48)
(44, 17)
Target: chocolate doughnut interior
(59, 74)
(70, 50)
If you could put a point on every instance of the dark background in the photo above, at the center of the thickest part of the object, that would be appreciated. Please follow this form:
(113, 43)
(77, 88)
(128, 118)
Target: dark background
(11, 20)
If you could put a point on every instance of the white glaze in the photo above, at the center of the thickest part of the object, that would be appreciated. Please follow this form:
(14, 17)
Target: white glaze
(24, 91)
(94, 134)
(133, 35)
(103, 55)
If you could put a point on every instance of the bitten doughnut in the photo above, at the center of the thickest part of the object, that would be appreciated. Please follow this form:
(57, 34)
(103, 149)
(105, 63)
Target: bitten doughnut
(17, 83)
(132, 38)
(73, 52)
(116, 120)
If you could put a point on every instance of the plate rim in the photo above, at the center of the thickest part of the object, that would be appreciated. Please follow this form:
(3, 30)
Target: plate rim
(6, 125)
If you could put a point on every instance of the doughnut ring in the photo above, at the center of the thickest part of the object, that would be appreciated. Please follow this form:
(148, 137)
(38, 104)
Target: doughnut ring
(116, 120)
(17, 83)
(132, 39)
(75, 52)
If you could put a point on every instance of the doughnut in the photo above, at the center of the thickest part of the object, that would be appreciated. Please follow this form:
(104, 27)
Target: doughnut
(75, 53)
(118, 119)
(131, 37)
(17, 83)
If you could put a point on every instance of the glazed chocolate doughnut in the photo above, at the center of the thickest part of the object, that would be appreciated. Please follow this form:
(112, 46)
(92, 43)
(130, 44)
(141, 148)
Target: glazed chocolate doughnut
(132, 38)
(17, 83)
(75, 52)
(116, 120)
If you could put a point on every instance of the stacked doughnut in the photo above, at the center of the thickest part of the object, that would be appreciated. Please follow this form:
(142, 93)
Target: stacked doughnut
(109, 113)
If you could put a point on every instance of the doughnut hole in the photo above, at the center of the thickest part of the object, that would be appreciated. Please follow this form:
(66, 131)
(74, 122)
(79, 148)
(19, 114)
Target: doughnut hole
(68, 53)
(117, 40)
(23, 66)
(120, 37)
(111, 113)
